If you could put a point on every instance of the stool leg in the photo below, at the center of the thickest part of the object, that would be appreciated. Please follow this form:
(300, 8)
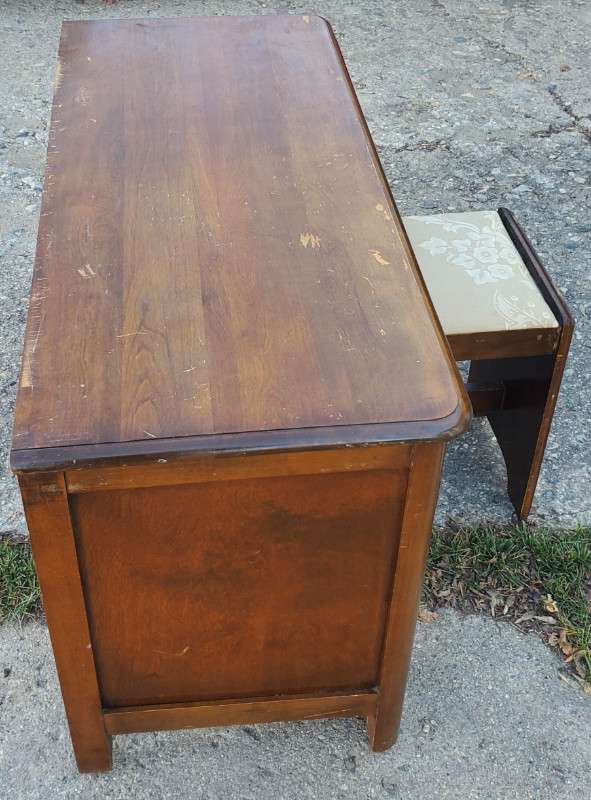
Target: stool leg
(522, 425)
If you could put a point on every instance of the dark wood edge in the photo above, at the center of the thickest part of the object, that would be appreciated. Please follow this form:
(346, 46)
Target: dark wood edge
(504, 344)
(175, 716)
(560, 310)
(538, 272)
(286, 441)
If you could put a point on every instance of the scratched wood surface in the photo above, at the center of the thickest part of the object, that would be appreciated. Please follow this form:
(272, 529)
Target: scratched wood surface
(218, 251)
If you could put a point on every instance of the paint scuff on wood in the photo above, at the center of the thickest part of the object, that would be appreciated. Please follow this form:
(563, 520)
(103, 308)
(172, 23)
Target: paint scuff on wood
(308, 238)
(86, 271)
(58, 75)
(376, 254)
(382, 210)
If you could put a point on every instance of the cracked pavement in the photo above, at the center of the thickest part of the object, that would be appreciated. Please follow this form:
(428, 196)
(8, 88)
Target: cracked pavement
(472, 104)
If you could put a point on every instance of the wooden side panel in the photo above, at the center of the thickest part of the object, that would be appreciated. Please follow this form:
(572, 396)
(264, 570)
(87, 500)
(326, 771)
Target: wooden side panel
(423, 487)
(522, 425)
(48, 518)
(238, 712)
(241, 588)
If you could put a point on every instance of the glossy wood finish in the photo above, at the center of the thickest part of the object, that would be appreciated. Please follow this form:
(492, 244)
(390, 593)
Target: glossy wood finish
(153, 451)
(235, 394)
(226, 233)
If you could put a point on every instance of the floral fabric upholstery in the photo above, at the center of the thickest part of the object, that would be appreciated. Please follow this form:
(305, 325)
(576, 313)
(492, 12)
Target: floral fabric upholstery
(474, 274)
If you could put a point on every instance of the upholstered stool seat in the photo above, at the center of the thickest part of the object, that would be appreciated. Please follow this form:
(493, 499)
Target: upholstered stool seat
(500, 310)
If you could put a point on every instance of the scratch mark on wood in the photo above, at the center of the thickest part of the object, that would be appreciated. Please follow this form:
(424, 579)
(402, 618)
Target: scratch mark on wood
(81, 97)
(49, 243)
(376, 254)
(86, 271)
(176, 655)
(326, 714)
(382, 210)
(58, 75)
(26, 379)
(308, 238)
(38, 334)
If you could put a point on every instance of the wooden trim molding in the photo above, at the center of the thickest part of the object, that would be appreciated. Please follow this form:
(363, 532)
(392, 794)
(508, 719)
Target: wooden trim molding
(211, 467)
(140, 719)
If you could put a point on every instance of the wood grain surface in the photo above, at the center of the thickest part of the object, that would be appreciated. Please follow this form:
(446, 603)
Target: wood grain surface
(211, 467)
(238, 589)
(218, 250)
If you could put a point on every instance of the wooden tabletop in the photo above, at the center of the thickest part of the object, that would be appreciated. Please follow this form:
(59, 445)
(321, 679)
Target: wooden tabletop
(218, 251)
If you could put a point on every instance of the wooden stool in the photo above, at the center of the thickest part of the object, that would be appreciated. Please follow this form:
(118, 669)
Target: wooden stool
(499, 310)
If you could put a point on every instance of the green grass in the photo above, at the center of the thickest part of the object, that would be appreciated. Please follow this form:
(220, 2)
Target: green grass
(511, 572)
(19, 590)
